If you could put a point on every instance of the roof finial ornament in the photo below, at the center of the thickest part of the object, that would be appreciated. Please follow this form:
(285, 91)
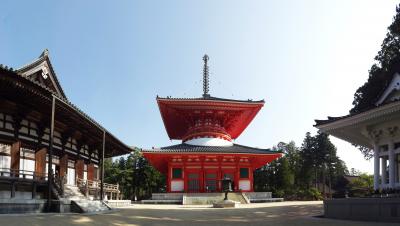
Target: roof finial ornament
(45, 53)
(206, 77)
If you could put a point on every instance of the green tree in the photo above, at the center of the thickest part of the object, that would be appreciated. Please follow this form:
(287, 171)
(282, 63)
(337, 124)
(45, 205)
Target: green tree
(387, 62)
(361, 186)
(136, 177)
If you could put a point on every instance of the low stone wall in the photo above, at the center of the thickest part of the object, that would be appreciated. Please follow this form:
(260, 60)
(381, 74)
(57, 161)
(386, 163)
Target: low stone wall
(367, 209)
(118, 203)
(258, 195)
(8, 206)
(167, 196)
(202, 198)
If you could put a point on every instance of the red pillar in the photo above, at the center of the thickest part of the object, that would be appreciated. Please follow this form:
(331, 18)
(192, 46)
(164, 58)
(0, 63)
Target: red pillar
(237, 178)
(251, 170)
(169, 178)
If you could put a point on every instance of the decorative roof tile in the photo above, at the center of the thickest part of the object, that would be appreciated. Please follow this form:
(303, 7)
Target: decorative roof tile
(236, 148)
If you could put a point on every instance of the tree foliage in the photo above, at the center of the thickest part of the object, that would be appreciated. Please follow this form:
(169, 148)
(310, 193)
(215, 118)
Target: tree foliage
(297, 173)
(136, 177)
(361, 186)
(387, 63)
(381, 72)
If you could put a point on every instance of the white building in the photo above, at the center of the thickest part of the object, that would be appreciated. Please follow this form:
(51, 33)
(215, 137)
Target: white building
(375, 128)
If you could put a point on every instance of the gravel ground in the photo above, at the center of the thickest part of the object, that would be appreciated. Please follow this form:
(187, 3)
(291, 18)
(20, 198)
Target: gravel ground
(284, 213)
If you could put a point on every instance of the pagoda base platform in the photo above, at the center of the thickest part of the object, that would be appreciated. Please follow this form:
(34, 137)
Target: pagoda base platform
(210, 198)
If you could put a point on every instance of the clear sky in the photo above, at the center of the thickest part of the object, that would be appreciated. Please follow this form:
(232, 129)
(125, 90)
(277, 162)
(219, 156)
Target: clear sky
(305, 58)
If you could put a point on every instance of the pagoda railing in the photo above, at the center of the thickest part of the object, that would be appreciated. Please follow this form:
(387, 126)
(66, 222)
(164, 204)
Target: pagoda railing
(207, 131)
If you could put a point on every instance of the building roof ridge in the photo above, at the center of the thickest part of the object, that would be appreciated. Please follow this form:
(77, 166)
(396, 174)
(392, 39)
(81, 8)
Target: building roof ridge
(207, 98)
(44, 56)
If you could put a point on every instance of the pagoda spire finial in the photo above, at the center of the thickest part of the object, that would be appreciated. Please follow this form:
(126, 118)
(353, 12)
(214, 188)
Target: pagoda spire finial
(206, 77)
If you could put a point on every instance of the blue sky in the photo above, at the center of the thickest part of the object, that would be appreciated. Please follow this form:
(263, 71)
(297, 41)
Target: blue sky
(305, 58)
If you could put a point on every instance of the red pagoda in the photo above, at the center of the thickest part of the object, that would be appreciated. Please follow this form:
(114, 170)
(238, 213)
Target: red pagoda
(207, 127)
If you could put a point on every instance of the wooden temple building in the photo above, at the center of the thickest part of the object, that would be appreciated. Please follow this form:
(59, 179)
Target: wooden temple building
(207, 127)
(46, 142)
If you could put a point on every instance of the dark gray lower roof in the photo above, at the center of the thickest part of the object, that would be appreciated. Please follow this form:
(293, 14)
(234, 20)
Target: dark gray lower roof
(236, 148)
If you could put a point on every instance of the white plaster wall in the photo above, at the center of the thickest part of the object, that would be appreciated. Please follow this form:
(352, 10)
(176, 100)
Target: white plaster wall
(244, 185)
(176, 185)
(209, 142)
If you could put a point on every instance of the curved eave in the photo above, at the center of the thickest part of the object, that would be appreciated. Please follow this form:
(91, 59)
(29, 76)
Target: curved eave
(353, 128)
(176, 127)
(160, 159)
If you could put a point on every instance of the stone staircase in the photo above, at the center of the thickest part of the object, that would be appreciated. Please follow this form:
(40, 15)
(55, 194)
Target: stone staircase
(80, 203)
(238, 197)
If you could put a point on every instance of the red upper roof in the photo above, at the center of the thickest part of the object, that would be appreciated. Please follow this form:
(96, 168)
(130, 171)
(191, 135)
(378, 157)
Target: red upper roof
(181, 114)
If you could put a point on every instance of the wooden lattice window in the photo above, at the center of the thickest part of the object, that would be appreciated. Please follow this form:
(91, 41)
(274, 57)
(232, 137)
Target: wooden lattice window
(176, 173)
(244, 172)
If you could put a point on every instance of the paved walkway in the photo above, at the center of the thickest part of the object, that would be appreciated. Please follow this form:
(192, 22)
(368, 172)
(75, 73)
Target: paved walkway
(285, 213)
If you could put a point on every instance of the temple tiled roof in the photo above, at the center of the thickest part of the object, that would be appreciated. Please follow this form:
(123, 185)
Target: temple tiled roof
(8, 72)
(236, 148)
(330, 119)
(319, 122)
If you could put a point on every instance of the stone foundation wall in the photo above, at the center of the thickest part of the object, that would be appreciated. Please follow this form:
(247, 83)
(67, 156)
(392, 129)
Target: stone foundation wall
(368, 209)
(8, 206)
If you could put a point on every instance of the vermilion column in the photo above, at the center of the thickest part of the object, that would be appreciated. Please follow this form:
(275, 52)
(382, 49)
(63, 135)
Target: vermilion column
(40, 162)
(237, 178)
(79, 167)
(169, 178)
(63, 165)
(15, 156)
(251, 170)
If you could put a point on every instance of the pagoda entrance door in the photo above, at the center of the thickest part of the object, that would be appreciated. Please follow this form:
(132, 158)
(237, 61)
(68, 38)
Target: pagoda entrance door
(193, 183)
(211, 183)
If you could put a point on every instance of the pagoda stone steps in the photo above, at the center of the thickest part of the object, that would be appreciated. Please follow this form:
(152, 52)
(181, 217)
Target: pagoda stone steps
(238, 197)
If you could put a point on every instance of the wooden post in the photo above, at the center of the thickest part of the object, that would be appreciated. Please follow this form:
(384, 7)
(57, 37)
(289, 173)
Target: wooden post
(102, 168)
(63, 165)
(90, 171)
(15, 157)
(13, 189)
(50, 162)
(79, 167)
(40, 163)
(34, 188)
(86, 188)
